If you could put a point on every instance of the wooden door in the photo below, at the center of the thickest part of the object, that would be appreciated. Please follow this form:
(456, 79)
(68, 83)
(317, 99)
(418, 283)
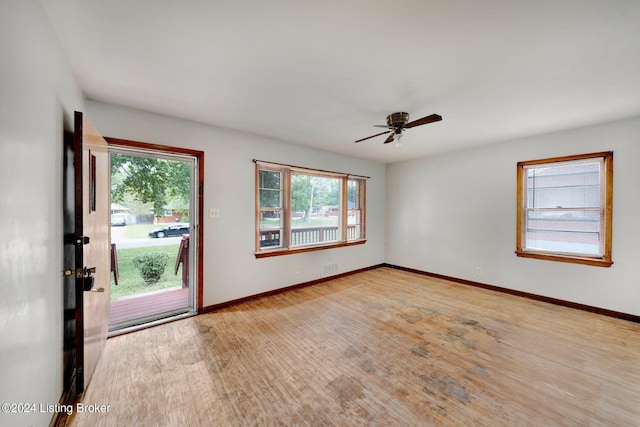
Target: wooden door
(92, 253)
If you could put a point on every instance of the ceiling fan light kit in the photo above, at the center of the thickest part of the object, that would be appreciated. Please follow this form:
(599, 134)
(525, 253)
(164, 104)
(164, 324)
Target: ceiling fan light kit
(398, 137)
(397, 123)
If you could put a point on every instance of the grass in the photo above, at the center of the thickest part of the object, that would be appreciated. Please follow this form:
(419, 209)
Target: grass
(130, 281)
(316, 221)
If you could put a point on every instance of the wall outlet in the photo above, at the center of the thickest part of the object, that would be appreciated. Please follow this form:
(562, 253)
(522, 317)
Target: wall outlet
(479, 271)
(214, 213)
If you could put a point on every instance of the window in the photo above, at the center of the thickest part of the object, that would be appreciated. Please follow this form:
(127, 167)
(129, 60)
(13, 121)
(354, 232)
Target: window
(564, 209)
(299, 209)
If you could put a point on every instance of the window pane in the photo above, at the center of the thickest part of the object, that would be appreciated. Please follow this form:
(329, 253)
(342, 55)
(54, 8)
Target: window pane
(270, 238)
(552, 190)
(564, 231)
(270, 219)
(354, 212)
(270, 198)
(571, 185)
(353, 194)
(315, 210)
(583, 243)
(354, 216)
(269, 179)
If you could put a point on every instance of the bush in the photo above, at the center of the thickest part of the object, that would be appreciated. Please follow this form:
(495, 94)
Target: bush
(151, 265)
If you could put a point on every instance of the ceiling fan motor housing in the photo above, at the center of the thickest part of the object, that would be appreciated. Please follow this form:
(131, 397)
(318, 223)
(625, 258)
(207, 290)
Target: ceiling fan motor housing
(397, 120)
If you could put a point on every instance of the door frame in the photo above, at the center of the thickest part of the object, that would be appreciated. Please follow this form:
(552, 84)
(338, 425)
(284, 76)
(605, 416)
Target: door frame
(199, 155)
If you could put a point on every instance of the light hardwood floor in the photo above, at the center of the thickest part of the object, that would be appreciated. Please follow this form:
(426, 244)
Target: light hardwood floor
(382, 348)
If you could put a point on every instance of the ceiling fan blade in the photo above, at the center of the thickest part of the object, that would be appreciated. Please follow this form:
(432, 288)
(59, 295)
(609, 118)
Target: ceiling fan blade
(373, 136)
(382, 126)
(389, 138)
(423, 121)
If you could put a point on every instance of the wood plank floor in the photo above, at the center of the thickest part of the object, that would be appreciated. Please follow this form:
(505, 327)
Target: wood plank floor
(380, 348)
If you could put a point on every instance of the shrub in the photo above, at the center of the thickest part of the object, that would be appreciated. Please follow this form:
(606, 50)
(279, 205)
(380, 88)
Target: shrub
(151, 265)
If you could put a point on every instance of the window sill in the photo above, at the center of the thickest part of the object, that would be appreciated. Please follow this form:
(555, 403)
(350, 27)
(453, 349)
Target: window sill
(598, 262)
(291, 251)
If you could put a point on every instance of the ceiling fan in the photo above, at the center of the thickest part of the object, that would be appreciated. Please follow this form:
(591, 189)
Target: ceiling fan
(398, 122)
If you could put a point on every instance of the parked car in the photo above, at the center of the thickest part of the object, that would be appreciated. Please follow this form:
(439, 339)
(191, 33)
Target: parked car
(170, 230)
(118, 219)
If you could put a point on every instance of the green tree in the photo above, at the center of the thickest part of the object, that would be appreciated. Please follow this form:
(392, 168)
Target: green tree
(301, 193)
(327, 192)
(160, 182)
(310, 192)
(270, 189)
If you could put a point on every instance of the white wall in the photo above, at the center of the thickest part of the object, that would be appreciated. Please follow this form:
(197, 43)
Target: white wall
(231, 270)
(451, 213)
(446, 214)
(37, 94)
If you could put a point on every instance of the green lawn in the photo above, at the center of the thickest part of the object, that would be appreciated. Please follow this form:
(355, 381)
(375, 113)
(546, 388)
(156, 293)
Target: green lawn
(130, 281)
(316, 221)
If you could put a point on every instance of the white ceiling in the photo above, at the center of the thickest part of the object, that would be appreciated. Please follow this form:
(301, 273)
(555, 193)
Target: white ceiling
(322, 72)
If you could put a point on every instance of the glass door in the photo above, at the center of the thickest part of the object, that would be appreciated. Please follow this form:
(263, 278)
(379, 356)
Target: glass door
(153, 219)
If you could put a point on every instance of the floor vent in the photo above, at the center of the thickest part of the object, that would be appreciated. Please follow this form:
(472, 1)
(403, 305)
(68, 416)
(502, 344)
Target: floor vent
(330, 269)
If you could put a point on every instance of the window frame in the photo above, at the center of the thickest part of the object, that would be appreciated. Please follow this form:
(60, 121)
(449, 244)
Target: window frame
(285, 247)
(605, 210)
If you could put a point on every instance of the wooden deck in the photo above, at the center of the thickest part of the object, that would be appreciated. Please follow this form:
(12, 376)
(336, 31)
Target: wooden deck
(381, 348)
(147, 304)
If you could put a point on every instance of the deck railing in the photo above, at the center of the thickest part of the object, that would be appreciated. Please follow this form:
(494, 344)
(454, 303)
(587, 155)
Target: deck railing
(307, 236)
